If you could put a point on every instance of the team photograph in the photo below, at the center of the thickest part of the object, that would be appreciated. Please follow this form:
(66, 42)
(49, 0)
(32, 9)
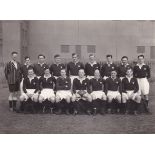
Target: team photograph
(77, 76)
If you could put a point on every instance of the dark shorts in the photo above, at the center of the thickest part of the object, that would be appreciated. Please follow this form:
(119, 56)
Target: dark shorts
(14, 87)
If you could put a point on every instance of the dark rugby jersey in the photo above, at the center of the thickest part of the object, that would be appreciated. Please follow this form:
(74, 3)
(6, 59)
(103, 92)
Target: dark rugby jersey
(97, 85)
(130, 85)
(73, 69)
(107, 68)
(84, 85)
(89, 69)
(33, 84)
(122, 70)
(24, 70)
(55, 69)
(39, 69)
(63, 83)
(47, 82)
(141, 72)
(113, 84)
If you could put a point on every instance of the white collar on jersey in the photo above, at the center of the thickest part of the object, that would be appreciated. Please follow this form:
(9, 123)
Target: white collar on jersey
(31, 78)
(81, 79)
(140, 65)
(92, 63)
(41, 64)
(109, 63)
(47, 77)
(125, 64)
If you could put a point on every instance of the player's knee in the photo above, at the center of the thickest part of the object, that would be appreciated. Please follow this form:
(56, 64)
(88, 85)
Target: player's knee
(52, 99)
(118, 98)
(93, 97)
(57, 99)
(109, 98)
(22, 98)
(68, 99)
(138, 98)
(41, 99)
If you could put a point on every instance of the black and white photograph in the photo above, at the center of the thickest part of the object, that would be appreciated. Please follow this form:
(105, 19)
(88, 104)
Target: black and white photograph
(77, 76)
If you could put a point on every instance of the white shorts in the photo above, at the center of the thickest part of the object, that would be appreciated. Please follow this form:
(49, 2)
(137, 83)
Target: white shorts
(129, 95)
(47, 93)
(30, 91)
(113, 94)
(63, 94)
(144, 86)
(98, 94)
(90, 77)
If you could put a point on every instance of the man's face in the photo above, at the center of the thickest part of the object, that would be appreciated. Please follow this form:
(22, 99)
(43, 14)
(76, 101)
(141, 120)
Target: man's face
(113, 74)
(92, 58)
(57, 60)
(141, 60)
(81, 73)
(27, 61)
(41, 59)
(129, 73)
(14, 57)
(109, 59)
(47, 71)
(96, 74)
(75, 58)
(63, 73)
(30, 73)
(124, 61)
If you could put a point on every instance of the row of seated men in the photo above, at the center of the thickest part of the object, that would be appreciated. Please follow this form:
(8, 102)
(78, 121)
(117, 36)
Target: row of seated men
(88, 96)
(90, 90)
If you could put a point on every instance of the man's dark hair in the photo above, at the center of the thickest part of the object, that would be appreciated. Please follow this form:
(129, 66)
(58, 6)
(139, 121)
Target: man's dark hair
(41, 55)
(109, 55)
(140, 56)
(27, 57)
(124, 57)
(91, 55)
(30, 68)
(12, 53)
(56, 56)
(75, 54)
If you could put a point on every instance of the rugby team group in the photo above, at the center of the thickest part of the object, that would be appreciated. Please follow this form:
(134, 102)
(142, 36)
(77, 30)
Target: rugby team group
(75, 88)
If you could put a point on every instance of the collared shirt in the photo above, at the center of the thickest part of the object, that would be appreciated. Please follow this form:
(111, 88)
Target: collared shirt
(47, 82)
(141, 71)
(63, 83)
(56, 68)
(91, 67)
(81, 84)
(73, 68)
(107, 68)
(122, 70)
(97, 84)
(129, 84)
(30, 83)
(113, 84)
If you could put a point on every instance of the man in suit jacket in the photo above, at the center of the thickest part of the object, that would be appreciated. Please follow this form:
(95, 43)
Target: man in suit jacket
(13, 76)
